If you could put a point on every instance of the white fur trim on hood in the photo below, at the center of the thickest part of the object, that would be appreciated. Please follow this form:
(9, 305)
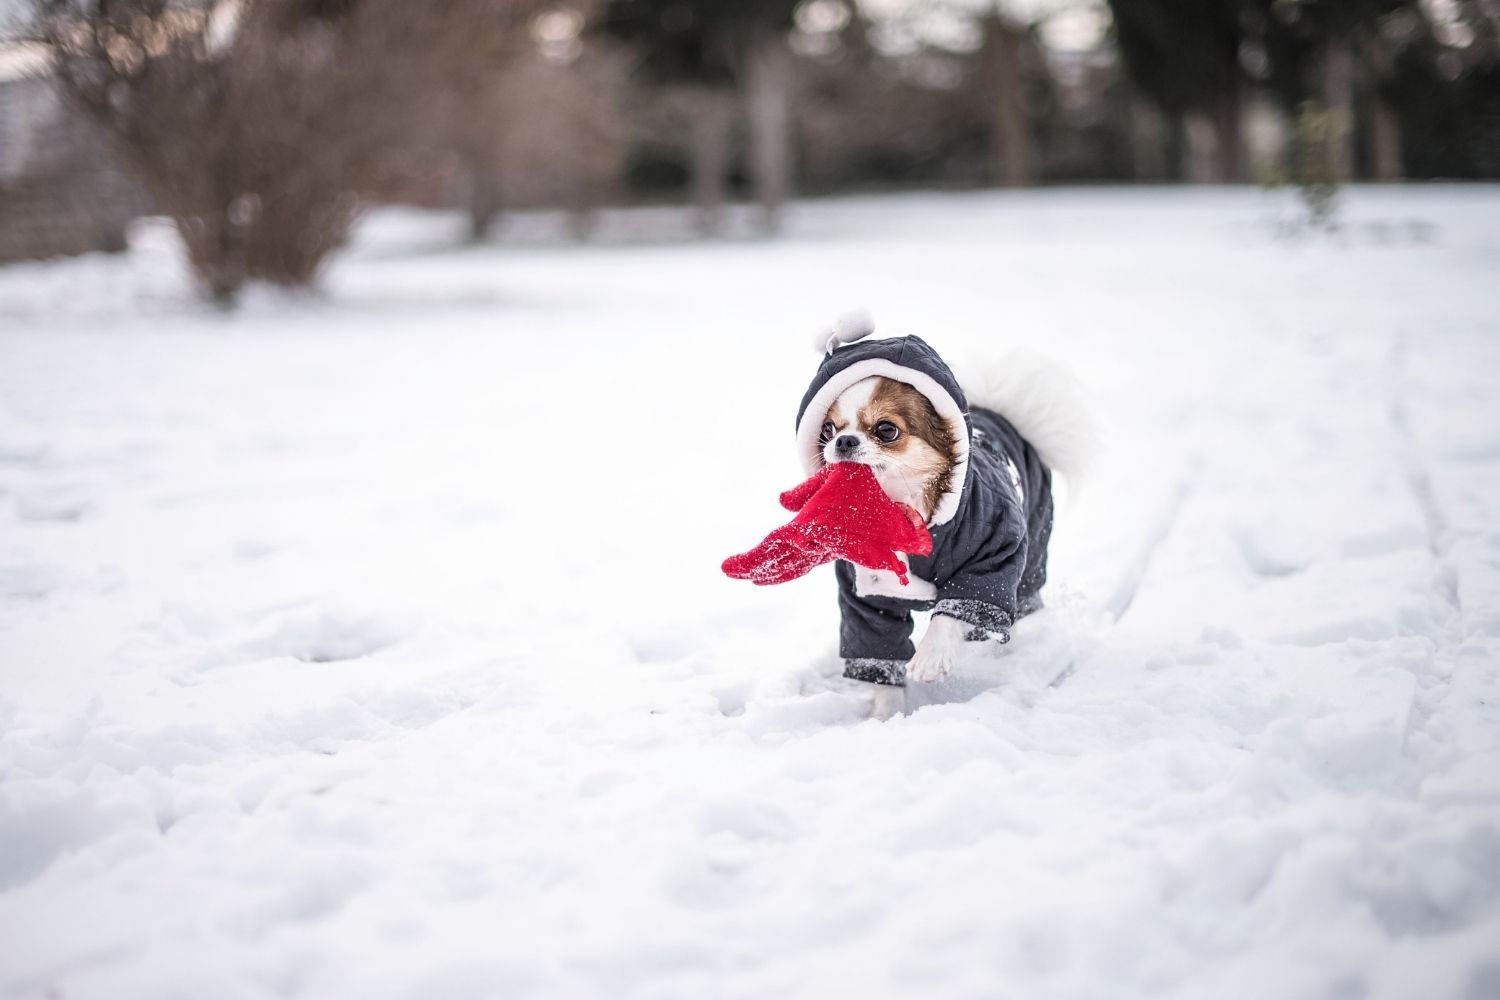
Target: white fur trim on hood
(810, 428)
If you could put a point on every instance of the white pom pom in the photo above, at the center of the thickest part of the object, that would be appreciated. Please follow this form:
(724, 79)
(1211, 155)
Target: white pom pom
(848, 328)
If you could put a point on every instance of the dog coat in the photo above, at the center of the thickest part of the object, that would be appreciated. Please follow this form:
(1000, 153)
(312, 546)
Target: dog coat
(989, 531)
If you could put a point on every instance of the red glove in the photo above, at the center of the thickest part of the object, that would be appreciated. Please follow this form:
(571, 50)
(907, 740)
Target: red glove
(842, 514)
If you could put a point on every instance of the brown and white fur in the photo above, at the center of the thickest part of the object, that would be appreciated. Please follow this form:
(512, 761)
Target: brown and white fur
(893, 428)
(918, 466)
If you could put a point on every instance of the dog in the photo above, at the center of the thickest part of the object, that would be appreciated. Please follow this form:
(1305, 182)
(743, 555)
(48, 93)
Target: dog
(975, 458)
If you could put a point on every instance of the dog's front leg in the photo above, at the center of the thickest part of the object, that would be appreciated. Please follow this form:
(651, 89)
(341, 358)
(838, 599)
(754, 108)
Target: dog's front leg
(937, 650)
(889, 701)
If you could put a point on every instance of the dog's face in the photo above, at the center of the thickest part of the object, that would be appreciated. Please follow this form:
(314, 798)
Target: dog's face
(892, 428)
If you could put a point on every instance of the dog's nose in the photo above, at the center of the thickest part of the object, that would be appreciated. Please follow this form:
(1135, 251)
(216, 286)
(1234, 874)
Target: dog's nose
(846, 442)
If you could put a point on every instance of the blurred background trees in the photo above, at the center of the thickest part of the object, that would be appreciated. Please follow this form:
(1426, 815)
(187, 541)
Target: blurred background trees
(718, 68)
(542, 124)
(262, 128)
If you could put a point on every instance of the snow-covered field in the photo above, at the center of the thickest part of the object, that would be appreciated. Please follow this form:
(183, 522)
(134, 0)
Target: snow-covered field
(375, 645)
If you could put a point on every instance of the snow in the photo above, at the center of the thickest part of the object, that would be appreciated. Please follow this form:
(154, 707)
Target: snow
(374, 645)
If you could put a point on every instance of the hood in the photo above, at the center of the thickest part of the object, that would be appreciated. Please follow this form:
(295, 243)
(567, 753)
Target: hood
(905, 359)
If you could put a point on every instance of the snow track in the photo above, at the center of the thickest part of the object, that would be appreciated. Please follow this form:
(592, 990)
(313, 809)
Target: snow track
(374, 646)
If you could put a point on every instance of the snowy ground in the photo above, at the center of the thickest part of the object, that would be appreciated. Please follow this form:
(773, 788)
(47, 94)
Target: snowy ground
(375, 646)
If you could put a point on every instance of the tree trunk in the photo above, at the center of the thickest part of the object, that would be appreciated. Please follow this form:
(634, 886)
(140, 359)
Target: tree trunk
(216, 253)
(582, 209)
(1148, 140)
(1200, 147)
(1175, 146)
(485, 197)
(1338, 100)
(768, 88)
(1385, 142)
(1229, 134)
(1012, 154)
(710, 126)
(1385, 127)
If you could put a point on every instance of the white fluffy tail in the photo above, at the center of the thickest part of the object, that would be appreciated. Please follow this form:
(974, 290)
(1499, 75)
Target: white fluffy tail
(1042, 398)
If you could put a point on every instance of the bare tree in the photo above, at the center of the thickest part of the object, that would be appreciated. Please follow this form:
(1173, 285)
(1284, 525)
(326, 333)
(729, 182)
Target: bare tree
(768, 115)
(259, 127)
(698, 120)
(1003, 53)
(548, 130)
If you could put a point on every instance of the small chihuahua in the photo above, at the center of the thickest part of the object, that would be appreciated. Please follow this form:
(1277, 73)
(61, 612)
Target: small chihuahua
(977, 466)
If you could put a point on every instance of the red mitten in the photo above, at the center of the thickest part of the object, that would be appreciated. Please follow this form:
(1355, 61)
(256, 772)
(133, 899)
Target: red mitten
(842, 514)
(796, 498)
(787, 553)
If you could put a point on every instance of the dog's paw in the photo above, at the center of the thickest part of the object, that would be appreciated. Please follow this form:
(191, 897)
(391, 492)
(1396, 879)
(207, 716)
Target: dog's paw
(937, 650)
(929, 664)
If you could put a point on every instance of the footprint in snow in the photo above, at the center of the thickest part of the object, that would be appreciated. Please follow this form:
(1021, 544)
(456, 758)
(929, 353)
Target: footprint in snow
(309, 634)
(56, 504)
(327, 637)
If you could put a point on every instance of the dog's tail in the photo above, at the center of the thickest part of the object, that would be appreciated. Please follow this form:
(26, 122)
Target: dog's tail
(1042, 398)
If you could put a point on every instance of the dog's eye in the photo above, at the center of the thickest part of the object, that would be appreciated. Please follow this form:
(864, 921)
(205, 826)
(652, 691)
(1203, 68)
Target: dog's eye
(887, 431)
(827, 434)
